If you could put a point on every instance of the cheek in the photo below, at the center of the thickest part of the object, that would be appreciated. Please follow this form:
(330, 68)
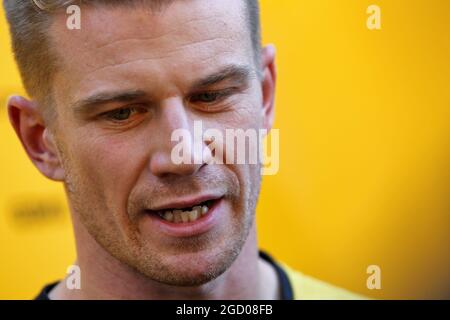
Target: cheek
(111, 165)
(246, 116)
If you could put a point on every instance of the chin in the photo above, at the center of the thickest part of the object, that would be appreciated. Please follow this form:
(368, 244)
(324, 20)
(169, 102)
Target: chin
(186, 279)
(190, 269)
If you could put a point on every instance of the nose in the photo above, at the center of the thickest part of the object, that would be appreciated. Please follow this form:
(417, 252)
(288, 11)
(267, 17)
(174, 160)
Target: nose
(174, 116)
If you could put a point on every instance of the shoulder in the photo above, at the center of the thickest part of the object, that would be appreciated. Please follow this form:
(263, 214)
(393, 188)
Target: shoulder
(45, 292)
(305, 287)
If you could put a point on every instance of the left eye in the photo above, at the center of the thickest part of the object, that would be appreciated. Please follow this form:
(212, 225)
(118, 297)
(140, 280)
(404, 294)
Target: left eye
(121, 114)
(207, 97)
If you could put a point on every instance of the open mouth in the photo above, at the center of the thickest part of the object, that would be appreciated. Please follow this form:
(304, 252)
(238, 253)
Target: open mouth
(186, 215)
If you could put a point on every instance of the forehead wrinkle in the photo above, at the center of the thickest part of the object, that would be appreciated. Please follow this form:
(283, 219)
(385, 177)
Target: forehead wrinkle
(115, 42)
(168, 52)
(153, 58)
(160, 23)
(181, 27)
(178, 47)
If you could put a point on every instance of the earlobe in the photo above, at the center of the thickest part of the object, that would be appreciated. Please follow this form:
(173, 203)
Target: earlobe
(35, 137)
(268, 85)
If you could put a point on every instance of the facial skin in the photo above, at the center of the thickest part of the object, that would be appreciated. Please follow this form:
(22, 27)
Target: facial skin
(114, 157)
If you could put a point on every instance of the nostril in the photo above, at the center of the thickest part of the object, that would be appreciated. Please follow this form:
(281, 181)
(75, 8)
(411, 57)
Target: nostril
(161, 164)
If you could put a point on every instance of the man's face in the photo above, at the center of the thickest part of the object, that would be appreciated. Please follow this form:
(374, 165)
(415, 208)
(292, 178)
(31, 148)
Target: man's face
(128, 79)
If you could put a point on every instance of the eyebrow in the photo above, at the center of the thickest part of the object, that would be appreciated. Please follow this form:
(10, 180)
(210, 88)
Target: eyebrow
(238, 74)
(102, 98)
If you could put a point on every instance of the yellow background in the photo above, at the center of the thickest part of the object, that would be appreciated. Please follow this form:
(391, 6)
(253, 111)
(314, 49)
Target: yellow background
(365, 154)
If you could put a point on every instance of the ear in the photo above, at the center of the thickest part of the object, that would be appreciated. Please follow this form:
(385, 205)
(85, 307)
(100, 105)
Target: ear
(269, 70)
(36, 138)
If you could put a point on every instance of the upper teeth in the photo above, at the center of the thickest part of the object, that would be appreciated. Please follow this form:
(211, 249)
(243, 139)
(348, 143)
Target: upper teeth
(182, 216)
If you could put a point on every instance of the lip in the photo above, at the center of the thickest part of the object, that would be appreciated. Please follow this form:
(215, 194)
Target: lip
(187, 229)
(185, 203)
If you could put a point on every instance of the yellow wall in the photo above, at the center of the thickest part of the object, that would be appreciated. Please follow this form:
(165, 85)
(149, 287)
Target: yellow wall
(364, 171)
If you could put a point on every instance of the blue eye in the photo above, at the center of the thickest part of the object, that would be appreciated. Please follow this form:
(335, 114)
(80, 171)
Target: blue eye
(120, 114)
(207, 97)
(123, 114)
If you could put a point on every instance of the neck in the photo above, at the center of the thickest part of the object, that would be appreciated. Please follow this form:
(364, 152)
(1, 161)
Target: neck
(105, 277)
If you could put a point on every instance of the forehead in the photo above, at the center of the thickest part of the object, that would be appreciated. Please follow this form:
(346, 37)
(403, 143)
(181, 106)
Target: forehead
(128, 46)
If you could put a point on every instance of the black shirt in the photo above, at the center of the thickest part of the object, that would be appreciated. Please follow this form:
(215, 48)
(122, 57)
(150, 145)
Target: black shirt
(285, 285)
